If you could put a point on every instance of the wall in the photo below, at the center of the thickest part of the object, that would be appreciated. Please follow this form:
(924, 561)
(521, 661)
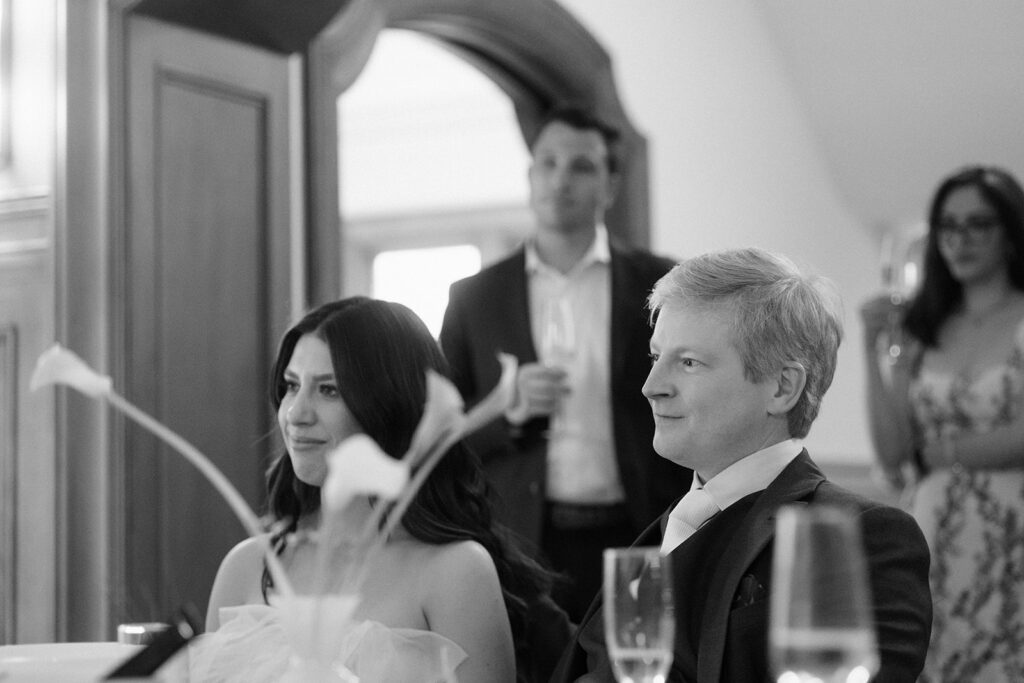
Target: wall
(734, 163)
(29, 472)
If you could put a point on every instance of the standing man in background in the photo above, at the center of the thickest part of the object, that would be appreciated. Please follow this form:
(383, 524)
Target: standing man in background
(572, 462)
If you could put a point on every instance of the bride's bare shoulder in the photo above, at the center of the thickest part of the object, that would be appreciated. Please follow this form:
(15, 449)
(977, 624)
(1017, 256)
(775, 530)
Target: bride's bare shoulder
(243, 564)
(247, 551)
(238, 580)
(459, 563)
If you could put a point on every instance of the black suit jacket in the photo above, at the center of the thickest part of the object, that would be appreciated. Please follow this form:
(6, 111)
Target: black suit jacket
(489, 312)
(733, 628)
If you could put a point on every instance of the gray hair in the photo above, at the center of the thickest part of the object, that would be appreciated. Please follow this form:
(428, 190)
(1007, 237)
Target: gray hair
(779, 315)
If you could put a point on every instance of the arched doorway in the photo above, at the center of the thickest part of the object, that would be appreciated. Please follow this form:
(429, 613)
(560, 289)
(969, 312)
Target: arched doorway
(432, 174)
(534, 50)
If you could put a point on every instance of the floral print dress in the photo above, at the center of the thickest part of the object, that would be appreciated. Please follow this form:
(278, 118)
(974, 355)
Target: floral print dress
(974, 523)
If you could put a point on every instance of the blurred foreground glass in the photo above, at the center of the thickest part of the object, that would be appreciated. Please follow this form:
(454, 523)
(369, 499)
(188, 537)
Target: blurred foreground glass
(821, 623)
(639, 613)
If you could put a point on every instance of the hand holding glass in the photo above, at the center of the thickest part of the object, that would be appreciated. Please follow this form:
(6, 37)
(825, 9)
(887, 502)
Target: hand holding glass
(639, 614)
(558, 350)
(821, 623)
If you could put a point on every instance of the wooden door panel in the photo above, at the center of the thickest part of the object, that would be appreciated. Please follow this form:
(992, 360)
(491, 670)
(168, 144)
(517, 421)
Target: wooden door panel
(208, 283)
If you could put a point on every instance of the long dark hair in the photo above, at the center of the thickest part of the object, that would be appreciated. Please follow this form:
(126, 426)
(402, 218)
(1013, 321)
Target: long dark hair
(381, 352)
(940, 293)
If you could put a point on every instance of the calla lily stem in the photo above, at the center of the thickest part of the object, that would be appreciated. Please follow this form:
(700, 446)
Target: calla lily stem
(234, 499)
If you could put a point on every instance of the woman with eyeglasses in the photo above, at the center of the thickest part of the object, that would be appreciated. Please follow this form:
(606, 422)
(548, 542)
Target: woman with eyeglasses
(947, 419)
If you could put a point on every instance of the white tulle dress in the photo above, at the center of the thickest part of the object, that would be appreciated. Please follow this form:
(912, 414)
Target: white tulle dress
(252, 646)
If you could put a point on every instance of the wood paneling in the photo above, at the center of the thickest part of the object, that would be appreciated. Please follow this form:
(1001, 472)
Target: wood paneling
(29, 482)
(208, 282)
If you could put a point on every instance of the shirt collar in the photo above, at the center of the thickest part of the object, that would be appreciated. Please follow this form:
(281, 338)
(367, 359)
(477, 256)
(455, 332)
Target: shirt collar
(599, 252)
(752, 473)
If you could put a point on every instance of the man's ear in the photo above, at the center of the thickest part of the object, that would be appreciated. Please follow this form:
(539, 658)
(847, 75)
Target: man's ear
(791, 380)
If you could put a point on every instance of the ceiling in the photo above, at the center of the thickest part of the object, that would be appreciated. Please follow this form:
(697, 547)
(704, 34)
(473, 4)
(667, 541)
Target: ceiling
(901, 92)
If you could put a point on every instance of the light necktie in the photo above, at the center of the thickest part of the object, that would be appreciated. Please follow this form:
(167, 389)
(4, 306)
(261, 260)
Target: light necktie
(689, 514)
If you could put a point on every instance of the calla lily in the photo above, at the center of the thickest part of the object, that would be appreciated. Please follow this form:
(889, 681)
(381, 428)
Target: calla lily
(359, 466)
(498, 401)
(443, 420)
(58, 365)
(442, 425)
(442, 417)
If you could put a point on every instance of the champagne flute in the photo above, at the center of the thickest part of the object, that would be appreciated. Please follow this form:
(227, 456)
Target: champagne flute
(558, 336)
(558, 349)
(639, 613)
(900, 267)
(821, 628)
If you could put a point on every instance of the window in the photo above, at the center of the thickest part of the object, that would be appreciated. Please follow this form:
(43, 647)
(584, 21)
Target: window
(432, 174)
(419, 278)
(5, 83)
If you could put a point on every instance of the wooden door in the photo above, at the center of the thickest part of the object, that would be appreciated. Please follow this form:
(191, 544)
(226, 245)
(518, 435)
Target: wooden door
(210, 249)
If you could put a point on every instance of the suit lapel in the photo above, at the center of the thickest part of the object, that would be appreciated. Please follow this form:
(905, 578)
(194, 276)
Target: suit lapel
(623, 297)
(510, 312)
(795, 483)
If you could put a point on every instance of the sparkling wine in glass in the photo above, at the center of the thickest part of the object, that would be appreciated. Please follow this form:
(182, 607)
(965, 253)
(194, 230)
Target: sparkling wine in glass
(558, 350)
(821, 623)
(900, 269)
(639, 613)
(558, 336)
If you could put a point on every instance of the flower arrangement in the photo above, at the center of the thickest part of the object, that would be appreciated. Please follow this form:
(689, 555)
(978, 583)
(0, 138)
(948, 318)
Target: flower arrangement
(358, 466)
(58, 365)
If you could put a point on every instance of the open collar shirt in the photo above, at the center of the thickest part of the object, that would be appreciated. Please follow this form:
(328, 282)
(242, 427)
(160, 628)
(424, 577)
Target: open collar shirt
(581, 465)
(751, 473)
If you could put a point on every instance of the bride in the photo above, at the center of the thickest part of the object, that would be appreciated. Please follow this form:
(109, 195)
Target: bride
(448, 594)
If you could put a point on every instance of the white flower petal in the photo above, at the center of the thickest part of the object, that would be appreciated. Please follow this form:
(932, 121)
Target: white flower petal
(495, 403)
(58, 365)
(442, 394)
(359, 466)
(442, 416)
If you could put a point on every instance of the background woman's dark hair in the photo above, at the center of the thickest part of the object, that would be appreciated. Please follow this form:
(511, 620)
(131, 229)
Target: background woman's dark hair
(940, 293)
(381, 352)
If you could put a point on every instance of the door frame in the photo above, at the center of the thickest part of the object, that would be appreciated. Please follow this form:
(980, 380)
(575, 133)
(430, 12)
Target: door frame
(534, 50)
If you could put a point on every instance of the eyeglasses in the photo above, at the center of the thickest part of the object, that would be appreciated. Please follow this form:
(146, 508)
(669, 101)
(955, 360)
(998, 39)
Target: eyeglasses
(974, 229)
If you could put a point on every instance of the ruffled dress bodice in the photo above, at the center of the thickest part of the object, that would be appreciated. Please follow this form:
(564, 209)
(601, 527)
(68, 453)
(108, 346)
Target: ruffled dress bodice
(251, 646)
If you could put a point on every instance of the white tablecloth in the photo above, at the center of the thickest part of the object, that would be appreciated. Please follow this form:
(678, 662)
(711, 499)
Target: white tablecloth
(61, 662)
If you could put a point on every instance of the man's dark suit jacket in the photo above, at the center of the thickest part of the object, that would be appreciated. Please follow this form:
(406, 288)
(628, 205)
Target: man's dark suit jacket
(489, 312)
(733, 628)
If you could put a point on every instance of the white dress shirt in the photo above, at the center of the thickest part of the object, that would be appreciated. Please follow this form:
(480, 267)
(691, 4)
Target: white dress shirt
(581, 465)
(745, 476)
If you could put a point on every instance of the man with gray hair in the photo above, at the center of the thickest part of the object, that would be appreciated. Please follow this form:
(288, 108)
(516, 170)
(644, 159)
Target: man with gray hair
(743, 350)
